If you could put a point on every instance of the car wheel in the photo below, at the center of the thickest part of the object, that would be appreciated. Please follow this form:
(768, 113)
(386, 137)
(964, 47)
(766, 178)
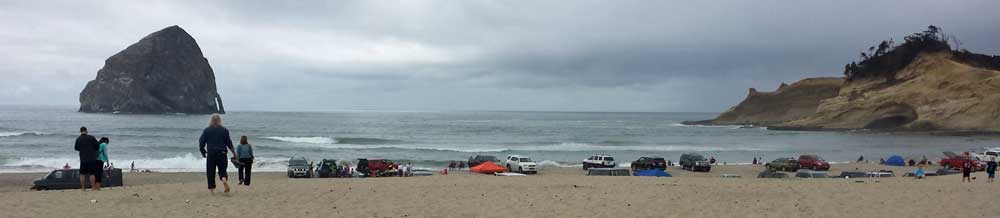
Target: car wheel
(508, 168)
(520, 170)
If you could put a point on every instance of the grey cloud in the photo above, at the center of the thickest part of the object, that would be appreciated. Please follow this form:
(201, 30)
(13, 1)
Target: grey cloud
(476, 55)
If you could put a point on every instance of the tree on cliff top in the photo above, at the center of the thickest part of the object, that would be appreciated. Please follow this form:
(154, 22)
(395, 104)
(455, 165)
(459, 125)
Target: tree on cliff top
(884, 60)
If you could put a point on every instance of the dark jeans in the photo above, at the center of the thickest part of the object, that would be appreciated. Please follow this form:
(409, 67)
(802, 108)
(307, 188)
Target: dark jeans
(215, 160)
(244, 170)
(99, 171)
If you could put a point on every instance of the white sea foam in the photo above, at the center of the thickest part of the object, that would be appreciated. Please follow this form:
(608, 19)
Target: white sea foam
(184, 163)
(12, 134)
(312, 140)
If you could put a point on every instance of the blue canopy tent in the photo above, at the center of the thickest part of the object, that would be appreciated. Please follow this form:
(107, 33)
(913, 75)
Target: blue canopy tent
(653, 172)
(895, 160)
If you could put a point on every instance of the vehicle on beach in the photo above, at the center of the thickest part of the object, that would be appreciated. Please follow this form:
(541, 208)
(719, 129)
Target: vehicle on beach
(599, 161)
(523, 164)
(783, 164)
(813, 162)
(298, 167)
(327, 168)
(811, 174)
(70, 179)
(479, 159)
(771, 174)
(988, 154)
(852, 174)
(644, 163)
(608, 172)
(695, 162)
(376, 167)
(955, 161)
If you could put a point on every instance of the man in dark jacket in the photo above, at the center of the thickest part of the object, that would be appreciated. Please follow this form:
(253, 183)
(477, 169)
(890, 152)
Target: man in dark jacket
(87, 146)
(214, 143)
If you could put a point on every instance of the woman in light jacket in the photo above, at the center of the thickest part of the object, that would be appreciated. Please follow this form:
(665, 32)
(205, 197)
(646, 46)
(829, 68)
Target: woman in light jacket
(244, 153)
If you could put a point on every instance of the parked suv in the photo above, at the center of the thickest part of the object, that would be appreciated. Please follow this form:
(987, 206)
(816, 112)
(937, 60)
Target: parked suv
(298, 167)
(479, 159)
(599, 161)
(954, 161)
(783, 164)
(814, 162)
(70, 179)
(695, 162)
(375, 167)
(521, 163)
(644, 163)
(327, 168)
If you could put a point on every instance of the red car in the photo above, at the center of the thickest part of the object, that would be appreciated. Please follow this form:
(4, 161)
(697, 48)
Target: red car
(375, 167)
(814, 162)
(954, 161)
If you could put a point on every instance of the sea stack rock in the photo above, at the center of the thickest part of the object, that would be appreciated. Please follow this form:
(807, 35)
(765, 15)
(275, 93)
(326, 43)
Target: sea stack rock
(165, 72)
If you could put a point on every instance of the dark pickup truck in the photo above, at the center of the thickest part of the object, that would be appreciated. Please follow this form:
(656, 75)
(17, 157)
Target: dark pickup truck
(70, 179)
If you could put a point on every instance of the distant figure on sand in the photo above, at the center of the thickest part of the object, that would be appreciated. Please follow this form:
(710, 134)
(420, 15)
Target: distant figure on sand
(967, 170)
(991, 168)
(881, 161)
(102, 161)
(87, 146)
(919, 173)
(133, 168)
(861, 159)
(451, 166)
(244, 153)
(213, 145)
(461, 165)
(754, 160)
(66, 167)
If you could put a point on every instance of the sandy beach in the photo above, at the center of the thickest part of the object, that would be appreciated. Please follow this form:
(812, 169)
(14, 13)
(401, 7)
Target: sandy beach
(554, 192)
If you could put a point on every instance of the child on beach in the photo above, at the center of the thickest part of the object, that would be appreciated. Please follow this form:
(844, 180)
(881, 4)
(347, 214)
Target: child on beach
(244, 153)
(102, 160)
(967, 171)
(991, 168)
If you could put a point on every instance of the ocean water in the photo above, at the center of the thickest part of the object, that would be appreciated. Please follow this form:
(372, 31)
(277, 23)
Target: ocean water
(40, 138)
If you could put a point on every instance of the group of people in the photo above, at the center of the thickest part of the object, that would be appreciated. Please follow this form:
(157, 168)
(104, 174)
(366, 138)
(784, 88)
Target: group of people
(214, 144)
(456, 166)
(93, 159)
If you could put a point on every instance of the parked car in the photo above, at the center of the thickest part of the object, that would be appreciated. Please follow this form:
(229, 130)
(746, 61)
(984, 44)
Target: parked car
(479, 159)
(811, 174)
(852, 174)
(70, 179)
(599, 161)
(375, 167)
(988, 154)
(771, 174)
(298, 167)
(783, 164)
(644, 163)
(813, 162)
(327, 168)
(954, 161)
(521, 163)
(695, 162)
(608, 172)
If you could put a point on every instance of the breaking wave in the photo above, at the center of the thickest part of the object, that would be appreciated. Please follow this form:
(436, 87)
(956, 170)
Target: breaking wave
(13, 134)
(330, 140)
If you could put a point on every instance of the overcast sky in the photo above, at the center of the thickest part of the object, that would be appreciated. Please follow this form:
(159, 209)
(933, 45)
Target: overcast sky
(475, 55)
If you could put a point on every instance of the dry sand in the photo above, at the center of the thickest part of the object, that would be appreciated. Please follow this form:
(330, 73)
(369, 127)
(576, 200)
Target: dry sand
(560, 192)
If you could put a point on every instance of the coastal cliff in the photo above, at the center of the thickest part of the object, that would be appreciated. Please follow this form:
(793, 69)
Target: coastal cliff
(787, 103)
(165, 72)
(920, 85)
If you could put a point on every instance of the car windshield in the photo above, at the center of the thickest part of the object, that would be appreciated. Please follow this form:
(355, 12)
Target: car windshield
(297, 162)
(697, 157)
(524, 159)
(485, 158)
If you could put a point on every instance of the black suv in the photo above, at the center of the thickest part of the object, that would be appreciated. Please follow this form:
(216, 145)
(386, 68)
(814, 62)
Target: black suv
(644, 163)
(695, 162)
(70, 179)
(479, 159)
(327, 168)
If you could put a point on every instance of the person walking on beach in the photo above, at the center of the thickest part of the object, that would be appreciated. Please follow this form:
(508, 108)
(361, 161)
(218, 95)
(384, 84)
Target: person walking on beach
(244, 153)
(87, 145)
(213, 145)
(102, 161)
(991, 168)
(461, 165)
(451, 166)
